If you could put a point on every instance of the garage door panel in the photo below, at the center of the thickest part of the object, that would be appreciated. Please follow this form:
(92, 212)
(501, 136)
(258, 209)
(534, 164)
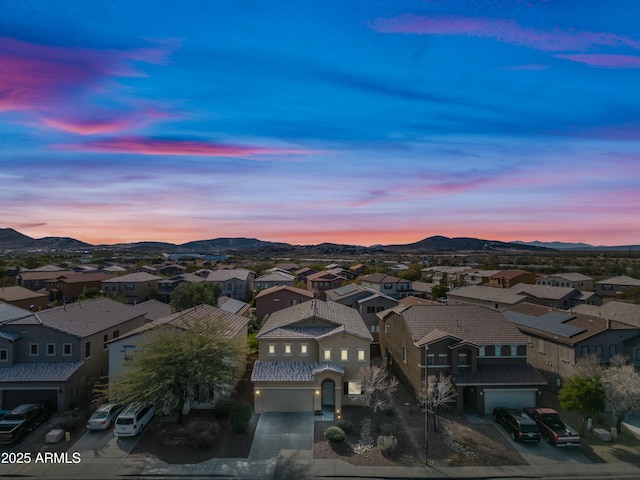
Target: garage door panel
(287, 400)
(510, 398)
(13, 398)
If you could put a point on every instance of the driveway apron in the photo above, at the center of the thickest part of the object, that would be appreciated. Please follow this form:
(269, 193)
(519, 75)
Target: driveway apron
(280, 434)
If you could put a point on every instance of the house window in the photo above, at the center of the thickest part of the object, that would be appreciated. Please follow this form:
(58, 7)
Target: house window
(375, 328)
(599, 351)
(404, 354)
(4, 355)
(87, 350)
(66, 349)
(564, 353)
(541, 346)
(379, 309)
(287, 349)
(371, 309)
(105, 339)
(430, 359)
(496, 306)
(353, 388)
(362, 355)
(613, 350)
(344, 354)
(514, 350)
(327, 355)
(442, 359)
(51, 349)
(33, 349)
(498, 350)
(463, 360)
(271, 349)
(388, 286)
(607, 287)
(584, 350)
(116, 333)
(304, 349)
(129, 286)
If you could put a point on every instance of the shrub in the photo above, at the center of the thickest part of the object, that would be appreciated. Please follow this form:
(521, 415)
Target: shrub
(387, 444)
(69, 420)
(334, 434)
(202, 434)
(252, 342)
(387, 429)
(240, 416)
(345, 426)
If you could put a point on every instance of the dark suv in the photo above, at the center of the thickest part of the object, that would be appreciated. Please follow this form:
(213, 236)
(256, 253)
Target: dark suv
(520, 426)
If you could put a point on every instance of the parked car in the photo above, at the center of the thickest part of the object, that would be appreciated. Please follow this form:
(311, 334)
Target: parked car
(133, 419)
(520, 426)
(104, 416)
(554, 430)
(16, 424)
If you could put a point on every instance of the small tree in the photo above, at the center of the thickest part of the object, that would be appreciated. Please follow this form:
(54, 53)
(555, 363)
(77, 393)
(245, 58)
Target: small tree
(187, 295)
(439, 393)
(584, 395)
(622, 389)
(377, 387)
(438, 291)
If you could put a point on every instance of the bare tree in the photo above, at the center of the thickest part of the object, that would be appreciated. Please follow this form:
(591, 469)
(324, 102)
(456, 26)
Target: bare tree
(377, 387)
(589, 366)
(439, 393)
(622, 389)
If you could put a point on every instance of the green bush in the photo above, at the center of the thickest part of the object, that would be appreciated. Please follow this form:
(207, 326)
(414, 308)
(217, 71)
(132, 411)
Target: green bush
(387, 444)
(240, 416)
(252, 342)
(334, 434)
(69, 420)
(202, 434)
(345, 426)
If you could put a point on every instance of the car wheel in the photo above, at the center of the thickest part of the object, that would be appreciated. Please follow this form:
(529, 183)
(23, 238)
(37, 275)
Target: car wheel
(513, 437)
(548, 440)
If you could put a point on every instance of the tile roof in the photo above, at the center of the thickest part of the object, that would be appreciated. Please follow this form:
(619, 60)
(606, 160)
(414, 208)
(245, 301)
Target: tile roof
(275, 277)
(83, 277)
(471, 323)
(382, 278)
(153, 309)
(325, 313)
(11, 336)
(228, 274)
(479, 292)
(544, 291)
(283, 371)
(502, 375)
(277, 288)
(39, 372)
(44, 275)
(620, 280)
(10, 312)
(410, 300)
(138, 277)
(82, 319)
(627, 313)
(297, 332)
(571, 276)
(13, 293)
(509, 273)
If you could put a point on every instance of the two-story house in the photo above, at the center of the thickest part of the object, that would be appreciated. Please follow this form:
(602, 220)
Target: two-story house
(67, 288)
(570, 279)
(511, 277)
(167, 285)
(50, 356)
(273, 279)
(233, 325)
(320, 282)
(235, 282)
(558, 297)
(389, 285)
(309, 358)
(134, 287)
(366, 301)
(35, 279)
(614, 286)
(482, 352)
(278, 298)
(24, 298)
(557, 339)
(498, 299)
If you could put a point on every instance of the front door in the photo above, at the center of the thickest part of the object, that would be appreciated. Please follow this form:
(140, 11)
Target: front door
(328, 392)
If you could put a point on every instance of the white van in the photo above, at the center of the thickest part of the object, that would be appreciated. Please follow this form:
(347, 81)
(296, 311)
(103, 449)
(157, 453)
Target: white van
(132, 420)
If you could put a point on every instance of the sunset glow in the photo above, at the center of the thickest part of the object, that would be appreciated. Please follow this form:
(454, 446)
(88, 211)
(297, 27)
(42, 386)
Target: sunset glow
(345, 122)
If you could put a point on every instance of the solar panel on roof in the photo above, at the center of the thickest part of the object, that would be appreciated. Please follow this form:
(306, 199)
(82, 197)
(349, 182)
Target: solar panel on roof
(551, 322)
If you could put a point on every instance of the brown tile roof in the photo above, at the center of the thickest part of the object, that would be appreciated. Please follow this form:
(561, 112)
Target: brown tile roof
(83, 277)
(299, 291)
(509, 273)
(11, 294)
(511, 375)
(134, 278)
(382, 278)
(627, 313)
(417, 301)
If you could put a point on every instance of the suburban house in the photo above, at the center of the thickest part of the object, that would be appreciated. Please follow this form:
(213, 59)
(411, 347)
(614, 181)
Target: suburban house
(273, 279)
(450, 277)
(123, 347)
(492, 298)
(571, 279)
(309, 358)
(558, 339)
(389, 285)
(422, 289)
(396, 269)
(24, 298)
(477, 277)
(320, 282)
(509, 278)
(485, 355)
(36, 280)
(278, 298)
(303, 273)
(358, 269)
(167, 285)
(235, 282)
(153, 309)
(614, 286)
(366, 301)
(622, 312)
(68, 287)
(170, 269)
(558, 297)
(51, 356)
(288, 267)
(134, 287)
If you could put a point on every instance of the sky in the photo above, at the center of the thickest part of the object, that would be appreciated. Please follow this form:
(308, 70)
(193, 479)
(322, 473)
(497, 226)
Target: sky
(344, 121)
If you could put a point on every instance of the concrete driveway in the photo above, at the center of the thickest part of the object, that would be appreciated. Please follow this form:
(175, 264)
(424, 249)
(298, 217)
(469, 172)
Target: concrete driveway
(544, 454)
(283, 435)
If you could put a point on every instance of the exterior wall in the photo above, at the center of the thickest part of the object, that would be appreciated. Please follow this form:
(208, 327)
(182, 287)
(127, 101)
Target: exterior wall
(369, 310)
(42, 336)
(268, 304)
(263, 284)
(39, 302)
(395, 290)
(611, 289)
(313, 354)
(133, 293)
(69, 292)
(558, 281)
(502, 281)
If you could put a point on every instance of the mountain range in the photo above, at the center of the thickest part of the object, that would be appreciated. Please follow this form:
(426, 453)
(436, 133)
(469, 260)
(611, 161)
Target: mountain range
(12, 240)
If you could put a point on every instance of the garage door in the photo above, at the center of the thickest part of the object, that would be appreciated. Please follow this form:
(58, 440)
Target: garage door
(13, 398)
(287, 400)
(509, 397)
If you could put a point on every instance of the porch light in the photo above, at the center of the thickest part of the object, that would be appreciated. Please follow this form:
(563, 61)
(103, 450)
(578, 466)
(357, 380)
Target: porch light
(257, 392)
(317, 392)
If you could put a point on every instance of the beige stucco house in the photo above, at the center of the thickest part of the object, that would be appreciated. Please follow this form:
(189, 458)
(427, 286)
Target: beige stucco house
(309, 358)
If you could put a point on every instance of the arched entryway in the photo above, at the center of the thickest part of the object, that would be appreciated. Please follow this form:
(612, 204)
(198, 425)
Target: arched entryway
(328, 393)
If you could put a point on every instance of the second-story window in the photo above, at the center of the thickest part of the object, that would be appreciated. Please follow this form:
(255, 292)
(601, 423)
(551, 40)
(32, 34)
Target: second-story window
(463, 360)
(304, 349)
(129, 286)
(287, 349)
(344, 354)
(327, 355)
(4, 355)
(271, 349)
(33, 349)
(87, 350)
(442, 359)
(498, 350)
(66, 349)
(362, 355)
(51, 349)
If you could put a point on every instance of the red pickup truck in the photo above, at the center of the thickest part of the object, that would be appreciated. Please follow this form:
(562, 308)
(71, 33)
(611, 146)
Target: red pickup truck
(554, 430)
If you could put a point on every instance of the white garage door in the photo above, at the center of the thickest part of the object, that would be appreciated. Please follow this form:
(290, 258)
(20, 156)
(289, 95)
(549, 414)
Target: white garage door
(509, 397)
(287, 400)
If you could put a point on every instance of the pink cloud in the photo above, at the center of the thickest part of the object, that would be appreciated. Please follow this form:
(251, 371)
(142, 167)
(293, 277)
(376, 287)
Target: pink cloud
(508, 31)
(163, 146)
(604, 61)
(36, 76)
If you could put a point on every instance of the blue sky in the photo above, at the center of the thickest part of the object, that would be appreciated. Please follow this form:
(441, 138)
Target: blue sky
(305, 122)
